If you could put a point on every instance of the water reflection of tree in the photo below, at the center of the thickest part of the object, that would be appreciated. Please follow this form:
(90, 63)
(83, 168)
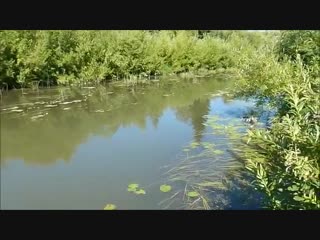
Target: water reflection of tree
(155, 120)
(194, 113)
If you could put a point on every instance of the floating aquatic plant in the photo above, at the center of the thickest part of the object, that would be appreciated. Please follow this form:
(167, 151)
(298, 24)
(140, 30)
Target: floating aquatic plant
(193, 194)
(110, 207)
(165, 188)
(140, 191)
(133, 187)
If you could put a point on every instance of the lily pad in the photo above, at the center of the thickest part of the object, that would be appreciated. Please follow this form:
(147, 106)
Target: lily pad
(193, 194)
(133, 185)
(131, 189)
(140, 191)
(110, 207)
(165, 188)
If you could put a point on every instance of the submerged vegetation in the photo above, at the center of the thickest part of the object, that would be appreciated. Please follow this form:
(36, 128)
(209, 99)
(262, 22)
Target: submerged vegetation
(280, 70)
(209, 170)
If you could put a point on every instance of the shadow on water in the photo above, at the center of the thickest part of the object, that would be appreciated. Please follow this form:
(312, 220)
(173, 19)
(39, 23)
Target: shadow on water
(191, 113)
(244, 198)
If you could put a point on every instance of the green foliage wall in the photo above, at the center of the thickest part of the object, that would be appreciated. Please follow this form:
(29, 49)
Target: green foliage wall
(80, 56)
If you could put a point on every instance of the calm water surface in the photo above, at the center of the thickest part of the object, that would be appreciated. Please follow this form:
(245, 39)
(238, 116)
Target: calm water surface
(79, 148)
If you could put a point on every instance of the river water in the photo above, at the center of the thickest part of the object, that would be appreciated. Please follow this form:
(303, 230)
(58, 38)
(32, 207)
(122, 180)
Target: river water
(79, 148)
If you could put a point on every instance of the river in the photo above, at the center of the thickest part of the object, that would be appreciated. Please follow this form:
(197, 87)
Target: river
(80, 148)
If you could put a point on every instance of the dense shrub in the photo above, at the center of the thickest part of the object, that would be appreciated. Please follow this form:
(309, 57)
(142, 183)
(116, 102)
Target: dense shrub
(73, 57)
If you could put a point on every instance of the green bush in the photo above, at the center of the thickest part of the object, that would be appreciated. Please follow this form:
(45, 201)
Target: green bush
(305, 43)
(284, 159)
(74, 57)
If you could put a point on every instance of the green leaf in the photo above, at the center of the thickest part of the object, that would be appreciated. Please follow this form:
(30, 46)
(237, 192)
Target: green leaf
(110, 207)
(165, 188)
(133, 185)
(293, 188)
(193, 194)
(140, 191)
(299, 199)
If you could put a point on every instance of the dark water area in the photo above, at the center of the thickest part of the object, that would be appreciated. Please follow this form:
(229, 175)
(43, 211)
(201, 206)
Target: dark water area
(79, 148)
